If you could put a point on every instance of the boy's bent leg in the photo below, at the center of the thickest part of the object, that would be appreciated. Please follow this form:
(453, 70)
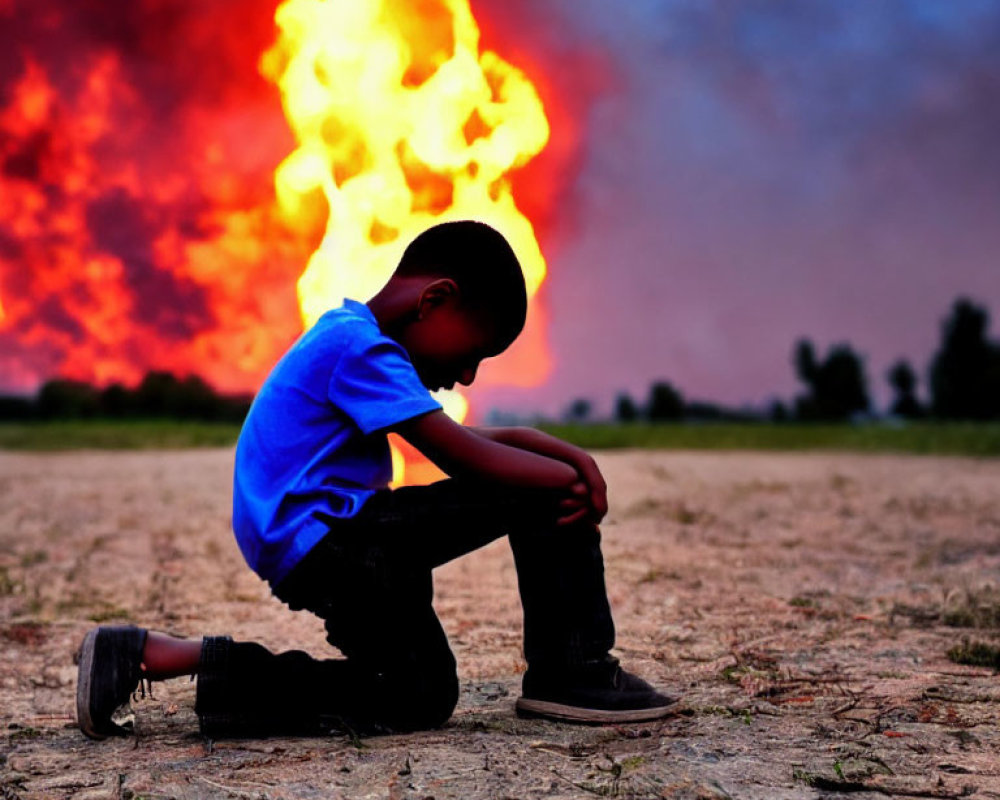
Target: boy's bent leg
(560, 575)
(568, 633)
(246, 691)
(399, 674)
(379, 613)
(560, 568)
(444, 520)
(567, 619)
(568, 624)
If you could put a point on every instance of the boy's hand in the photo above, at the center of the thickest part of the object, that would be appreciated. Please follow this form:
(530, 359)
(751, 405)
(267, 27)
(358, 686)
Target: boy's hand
(588, 497)
(594, 484)
(576, 506)
(592, 500)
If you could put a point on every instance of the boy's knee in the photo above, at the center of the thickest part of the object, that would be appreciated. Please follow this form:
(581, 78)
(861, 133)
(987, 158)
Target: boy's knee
(436, 704)
(422, 701)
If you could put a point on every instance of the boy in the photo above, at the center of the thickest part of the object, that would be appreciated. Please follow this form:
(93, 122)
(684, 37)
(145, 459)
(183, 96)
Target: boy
(314, 517)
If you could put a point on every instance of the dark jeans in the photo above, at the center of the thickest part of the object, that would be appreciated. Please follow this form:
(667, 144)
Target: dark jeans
(369, 579)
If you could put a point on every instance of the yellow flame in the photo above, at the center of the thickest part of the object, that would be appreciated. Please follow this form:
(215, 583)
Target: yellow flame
(401, 123)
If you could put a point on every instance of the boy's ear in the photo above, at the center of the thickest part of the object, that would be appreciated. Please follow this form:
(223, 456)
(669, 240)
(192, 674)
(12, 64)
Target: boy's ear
(437, 293)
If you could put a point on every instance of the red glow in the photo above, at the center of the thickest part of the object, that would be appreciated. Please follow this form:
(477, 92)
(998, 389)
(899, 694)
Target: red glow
(138, 228)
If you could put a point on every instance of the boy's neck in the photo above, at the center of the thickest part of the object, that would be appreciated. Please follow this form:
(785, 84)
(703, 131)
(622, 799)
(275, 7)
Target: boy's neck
(396, 305)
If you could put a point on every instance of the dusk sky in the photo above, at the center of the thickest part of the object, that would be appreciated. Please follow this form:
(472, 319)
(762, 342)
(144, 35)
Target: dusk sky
(734, 175)
(761, 171)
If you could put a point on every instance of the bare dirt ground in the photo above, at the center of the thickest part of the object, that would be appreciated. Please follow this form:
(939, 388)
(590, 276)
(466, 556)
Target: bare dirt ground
(803, 605)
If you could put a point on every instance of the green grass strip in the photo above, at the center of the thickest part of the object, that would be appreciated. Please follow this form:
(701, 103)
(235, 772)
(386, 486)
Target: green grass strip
(116, 435)
(967, 439)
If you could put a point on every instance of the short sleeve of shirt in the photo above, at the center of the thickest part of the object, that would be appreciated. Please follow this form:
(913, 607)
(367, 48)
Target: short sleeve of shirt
(376, 385)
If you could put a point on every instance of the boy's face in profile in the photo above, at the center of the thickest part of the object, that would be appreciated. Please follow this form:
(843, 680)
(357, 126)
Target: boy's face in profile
(447, 342)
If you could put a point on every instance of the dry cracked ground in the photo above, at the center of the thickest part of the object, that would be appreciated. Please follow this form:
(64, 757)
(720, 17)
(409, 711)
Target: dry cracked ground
(804, 606)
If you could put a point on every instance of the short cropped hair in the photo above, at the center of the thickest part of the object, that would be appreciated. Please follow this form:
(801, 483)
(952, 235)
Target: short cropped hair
(483, 265)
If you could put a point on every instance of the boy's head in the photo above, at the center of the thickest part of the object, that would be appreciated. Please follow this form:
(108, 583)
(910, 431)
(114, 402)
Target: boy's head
(484, 268)
(464, 297)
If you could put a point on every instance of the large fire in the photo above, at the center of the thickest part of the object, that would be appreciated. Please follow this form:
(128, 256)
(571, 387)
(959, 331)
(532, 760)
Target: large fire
(140, 228)
(401, 122)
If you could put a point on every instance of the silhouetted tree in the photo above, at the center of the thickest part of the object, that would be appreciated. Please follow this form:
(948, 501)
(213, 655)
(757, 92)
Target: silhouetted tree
(837, 385)
(61, 398)
(156, 395)
(234, 407)
(778, 412)
(703, 411)
(965, 372)
(805, 361)
(579, 410)
(161, 394)
(13, 407)
(117, 401)
(625, 408)
(665, 402)
(196, 399)
(903, 380)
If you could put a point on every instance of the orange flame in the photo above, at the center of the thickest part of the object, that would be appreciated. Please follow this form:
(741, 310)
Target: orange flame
(137, 225)
(401, 123)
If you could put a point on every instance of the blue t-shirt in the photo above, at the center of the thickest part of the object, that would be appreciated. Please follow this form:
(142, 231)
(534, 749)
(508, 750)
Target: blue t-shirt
(314, 440)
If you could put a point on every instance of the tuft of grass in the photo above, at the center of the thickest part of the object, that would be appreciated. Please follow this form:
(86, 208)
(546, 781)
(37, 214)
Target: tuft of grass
(973, 617)
(654, 574)
(8, 585)
(110, 614)
(976, 654)
(925, 438)
(685, 515)
(973, 609)
(20, 734)
(34, 557)
(81, 606)
(632, 762)
(919, 616)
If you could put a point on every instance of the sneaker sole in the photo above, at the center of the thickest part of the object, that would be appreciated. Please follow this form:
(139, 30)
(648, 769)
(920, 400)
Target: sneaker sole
(85, 674)
(525, 706)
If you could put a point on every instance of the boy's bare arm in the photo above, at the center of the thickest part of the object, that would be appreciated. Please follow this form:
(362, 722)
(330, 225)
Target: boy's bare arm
(460, 452)
(537, 441)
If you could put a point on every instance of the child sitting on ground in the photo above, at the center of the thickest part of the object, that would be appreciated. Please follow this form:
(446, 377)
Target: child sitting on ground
(313, 516)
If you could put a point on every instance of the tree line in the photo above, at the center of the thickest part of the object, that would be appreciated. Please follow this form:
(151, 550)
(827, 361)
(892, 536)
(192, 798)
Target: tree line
(158, 395)
(963, 384)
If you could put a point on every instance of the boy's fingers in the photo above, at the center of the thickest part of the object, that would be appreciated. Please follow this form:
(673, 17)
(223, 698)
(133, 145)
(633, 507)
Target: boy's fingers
(599, 500)
(574, 517)
(586, 498)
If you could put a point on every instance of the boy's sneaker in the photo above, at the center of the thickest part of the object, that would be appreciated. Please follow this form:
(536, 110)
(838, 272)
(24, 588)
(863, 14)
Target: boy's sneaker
(600, 691)
(109, 672)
